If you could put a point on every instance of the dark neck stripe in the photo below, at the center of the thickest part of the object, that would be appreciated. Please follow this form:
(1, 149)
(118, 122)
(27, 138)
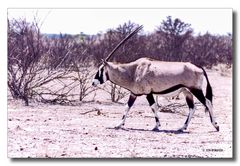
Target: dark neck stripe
(107, 76)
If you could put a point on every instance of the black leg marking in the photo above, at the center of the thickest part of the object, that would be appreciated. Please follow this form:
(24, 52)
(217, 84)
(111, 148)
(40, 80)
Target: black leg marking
(187, 120)
(151, 102)
(199, 95)
(190, 102)
(211, 119)
(131, 100)
(150, 99)
(123, 121)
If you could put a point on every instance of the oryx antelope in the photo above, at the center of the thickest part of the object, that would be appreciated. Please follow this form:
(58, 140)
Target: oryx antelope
(147, 76)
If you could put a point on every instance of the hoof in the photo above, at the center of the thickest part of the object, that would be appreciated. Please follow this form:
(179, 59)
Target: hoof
(217, 128)
(181, 130)
(118, 127)
(155, 129)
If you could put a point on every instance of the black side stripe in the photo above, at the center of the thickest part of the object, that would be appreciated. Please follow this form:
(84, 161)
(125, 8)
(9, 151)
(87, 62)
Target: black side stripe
(169, 90)
(166, 91)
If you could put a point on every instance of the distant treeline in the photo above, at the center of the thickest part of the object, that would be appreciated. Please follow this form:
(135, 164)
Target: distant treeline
(173, 40)
(37, 61)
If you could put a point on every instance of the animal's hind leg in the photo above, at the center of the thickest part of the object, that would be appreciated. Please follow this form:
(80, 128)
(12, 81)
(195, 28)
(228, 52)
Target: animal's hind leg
(190, 103)
(212, 118)
(154, 107)
(207, 103)
(131, 100)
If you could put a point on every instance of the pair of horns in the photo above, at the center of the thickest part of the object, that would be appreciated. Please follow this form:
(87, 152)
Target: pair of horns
(123, 41)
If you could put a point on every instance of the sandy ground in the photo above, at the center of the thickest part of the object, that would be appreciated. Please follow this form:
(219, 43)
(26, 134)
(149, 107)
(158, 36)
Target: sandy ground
(87, 130)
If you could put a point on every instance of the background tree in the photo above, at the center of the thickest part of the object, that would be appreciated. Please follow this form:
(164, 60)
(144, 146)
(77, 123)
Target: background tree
(37, 62)
(24, 52)
(173, 34)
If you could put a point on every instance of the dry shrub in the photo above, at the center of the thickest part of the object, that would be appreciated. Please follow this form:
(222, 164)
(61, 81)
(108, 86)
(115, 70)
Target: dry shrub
(116, 92)
(224, 69)
(57, 68)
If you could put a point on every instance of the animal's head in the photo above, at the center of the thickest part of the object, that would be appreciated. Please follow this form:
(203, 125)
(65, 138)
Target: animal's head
(102, 73)
(101, 76)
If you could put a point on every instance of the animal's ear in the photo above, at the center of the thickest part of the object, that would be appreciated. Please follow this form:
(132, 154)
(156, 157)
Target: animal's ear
(104, 62)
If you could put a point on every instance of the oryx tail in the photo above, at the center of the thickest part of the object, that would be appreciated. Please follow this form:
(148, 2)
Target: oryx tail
(209, 93)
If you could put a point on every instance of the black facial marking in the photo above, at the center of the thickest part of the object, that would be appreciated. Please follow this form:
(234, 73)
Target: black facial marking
(107, 76)
(123, 117)
(157, 120)
(100, 78)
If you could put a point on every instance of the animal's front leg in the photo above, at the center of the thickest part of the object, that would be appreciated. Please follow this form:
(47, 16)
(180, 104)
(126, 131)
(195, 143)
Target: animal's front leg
(154, 107)
(131, 100)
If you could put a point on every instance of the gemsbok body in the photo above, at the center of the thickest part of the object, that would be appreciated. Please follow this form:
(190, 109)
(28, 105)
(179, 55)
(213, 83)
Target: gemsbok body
(147, 76)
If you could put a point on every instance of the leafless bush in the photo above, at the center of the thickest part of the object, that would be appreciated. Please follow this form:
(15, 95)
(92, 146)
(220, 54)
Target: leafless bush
(58, 69)
(83, 77)
(51, 88)
(31, 69)
(24, 52)
(116, 92)
(73, 86)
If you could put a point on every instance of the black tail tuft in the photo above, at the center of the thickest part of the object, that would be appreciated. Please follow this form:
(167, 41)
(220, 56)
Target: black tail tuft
(209, 93)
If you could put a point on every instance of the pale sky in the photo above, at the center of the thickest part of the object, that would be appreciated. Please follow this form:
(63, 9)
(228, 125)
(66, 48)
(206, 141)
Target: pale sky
(92, 21)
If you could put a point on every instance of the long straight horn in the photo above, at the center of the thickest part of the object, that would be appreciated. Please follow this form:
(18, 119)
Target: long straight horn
(123, 41)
